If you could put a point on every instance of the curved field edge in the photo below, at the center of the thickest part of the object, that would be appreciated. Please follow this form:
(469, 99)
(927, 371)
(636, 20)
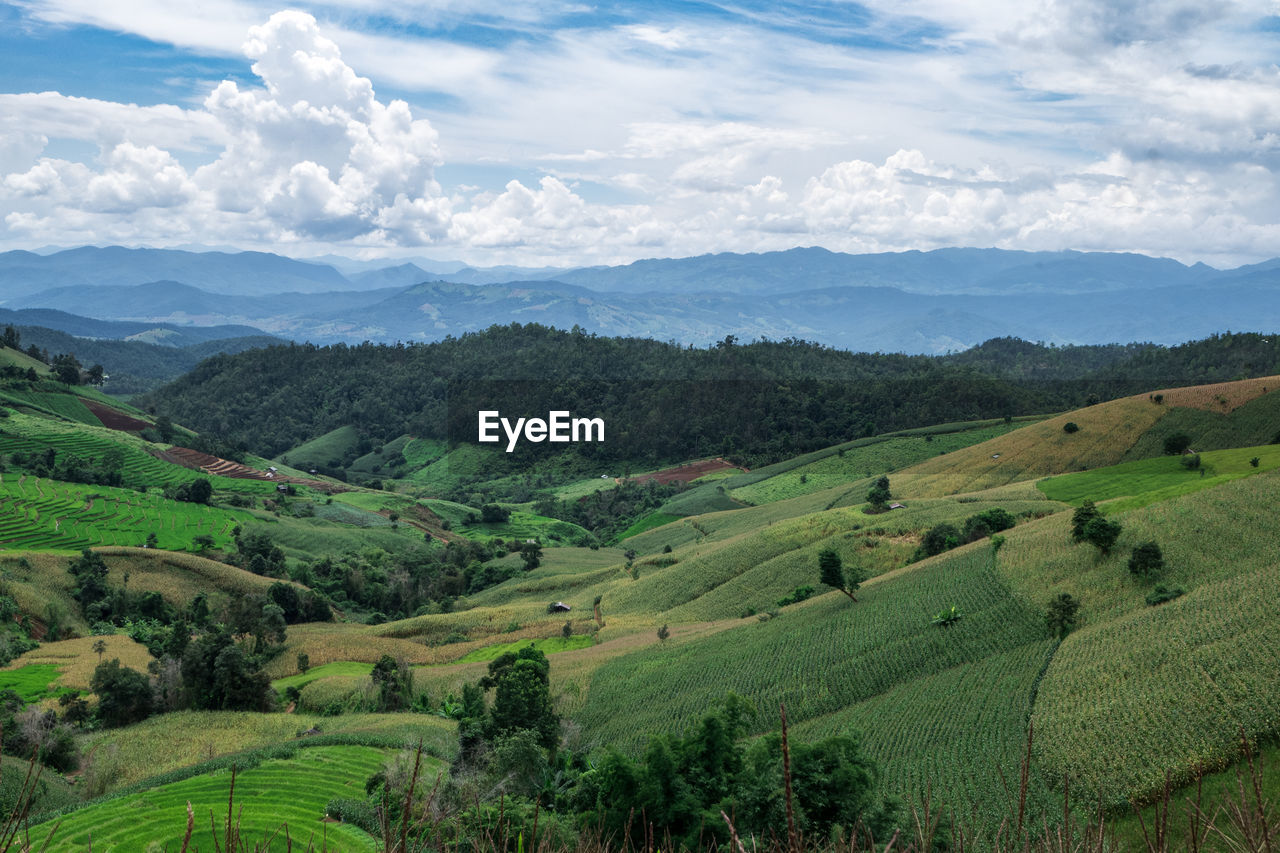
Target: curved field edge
(276, 792)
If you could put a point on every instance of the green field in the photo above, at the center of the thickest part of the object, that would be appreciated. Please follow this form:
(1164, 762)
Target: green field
(316, 673)
(277, 796)
(46, 514)
(320, 450)
(1147, 481)
(549, 646)
(863, 459)
(31, 682)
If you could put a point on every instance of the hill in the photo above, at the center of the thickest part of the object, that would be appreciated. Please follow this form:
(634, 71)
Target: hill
(940, 667)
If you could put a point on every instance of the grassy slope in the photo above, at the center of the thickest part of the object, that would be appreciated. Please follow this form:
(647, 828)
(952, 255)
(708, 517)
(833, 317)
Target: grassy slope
(278, 792)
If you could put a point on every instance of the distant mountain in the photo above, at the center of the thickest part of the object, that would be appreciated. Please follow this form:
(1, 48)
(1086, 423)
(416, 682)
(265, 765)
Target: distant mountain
(216, 272)
(949, 271)
(917, 302)
(85, 327)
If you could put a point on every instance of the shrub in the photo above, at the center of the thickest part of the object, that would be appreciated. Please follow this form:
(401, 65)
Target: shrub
(358, 813)
(1070, 427)
(1147, 560)
(1163, 593)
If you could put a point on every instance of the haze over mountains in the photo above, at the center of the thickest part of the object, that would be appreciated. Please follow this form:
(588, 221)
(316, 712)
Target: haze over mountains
(917, 302)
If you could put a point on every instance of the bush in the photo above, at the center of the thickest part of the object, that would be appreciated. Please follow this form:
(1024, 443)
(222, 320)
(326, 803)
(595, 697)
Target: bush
(1176, 443)
(358, 813)
(1147, 560)
(1070, 427)
(1163, 593)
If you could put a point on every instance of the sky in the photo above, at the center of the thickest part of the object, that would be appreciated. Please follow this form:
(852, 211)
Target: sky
(533, 133)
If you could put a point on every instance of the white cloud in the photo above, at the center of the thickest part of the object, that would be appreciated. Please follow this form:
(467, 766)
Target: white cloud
(1140, 125)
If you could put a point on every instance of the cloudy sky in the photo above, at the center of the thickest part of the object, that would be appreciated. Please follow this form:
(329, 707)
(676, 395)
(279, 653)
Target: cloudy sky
(540, 133)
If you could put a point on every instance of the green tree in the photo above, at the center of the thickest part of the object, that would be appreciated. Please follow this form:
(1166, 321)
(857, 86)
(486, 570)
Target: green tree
(879, 495)
(1147, 560)
(1062, 613)
(1084, 513)
(831, 572)
(1176, 443)
(663, 633)
(522, 696)
(1102, 533)
(394, 682)
(124, 695)
(11, 338)
(100, 648)
(531, 555)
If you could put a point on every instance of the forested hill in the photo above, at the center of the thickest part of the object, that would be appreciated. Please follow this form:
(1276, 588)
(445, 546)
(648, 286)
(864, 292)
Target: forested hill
(756, 402)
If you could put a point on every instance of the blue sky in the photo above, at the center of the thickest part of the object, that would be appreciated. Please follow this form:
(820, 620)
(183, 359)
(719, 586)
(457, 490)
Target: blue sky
(553, 133)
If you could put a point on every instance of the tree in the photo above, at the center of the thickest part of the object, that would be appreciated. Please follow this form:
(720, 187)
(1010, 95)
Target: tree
(164, 426)
(67, 369)
(832, 573)
(1062, 613)
(124, 695)
(304, 661)
(1147, 560)
(567, 630)
(11, 339)
(879, 495)
(100, 648)
(1070, 426)
(531, 555)
(96, 375)
(522, 696)
(1176, 443)
(663, 633)
(1102, 534)
(494, 514)
(394, 682)
(1084, 513)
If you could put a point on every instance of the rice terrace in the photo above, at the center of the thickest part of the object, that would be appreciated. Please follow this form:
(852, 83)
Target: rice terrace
(801, 427)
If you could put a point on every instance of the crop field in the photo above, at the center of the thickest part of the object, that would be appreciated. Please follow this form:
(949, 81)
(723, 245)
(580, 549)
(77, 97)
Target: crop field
(1253, 423)
(649, 522)
(719, 580)
(318, 451)
(179, 577)
(48, 515)
(345, 513)
(708, 497)
(1113, 705)
(70, 663)
(548, 646)
(1222, 396)
(954, 731)
(1110, 708)
(1106, 432)
(1147, 481)
(420, 452)
(818, 656)
(288, 792)
(444, 474)
(55, 402)
(863, 461)
(327, 670)
(30, 681)
(128, 756)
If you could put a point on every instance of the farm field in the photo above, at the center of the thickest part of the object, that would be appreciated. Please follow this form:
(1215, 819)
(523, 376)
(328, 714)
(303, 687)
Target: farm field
(1149, 480)
(275, 794)
(127, 757)
(47, 514)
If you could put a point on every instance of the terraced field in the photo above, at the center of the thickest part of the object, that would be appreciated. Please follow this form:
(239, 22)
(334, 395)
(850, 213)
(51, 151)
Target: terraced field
(49, 515)
(283, 802)
(139, 462)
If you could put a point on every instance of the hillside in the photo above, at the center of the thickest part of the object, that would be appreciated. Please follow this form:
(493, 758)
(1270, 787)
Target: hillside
(727, 565)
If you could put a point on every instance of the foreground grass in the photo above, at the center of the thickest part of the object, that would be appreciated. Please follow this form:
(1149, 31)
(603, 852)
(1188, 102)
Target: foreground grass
(124, 757)
(283, 799)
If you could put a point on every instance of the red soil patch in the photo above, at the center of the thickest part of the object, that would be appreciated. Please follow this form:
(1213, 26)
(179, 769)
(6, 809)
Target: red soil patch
(112, 419)
(216, 465)
(688, 473)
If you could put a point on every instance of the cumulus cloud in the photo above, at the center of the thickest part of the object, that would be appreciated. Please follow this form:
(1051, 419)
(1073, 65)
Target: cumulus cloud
(1138, 125)
(311, 154)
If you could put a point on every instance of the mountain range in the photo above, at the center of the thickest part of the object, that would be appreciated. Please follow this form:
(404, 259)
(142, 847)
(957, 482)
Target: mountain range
(916, 302)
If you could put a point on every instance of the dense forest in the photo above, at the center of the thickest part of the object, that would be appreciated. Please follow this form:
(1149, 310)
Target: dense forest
(755, 402)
